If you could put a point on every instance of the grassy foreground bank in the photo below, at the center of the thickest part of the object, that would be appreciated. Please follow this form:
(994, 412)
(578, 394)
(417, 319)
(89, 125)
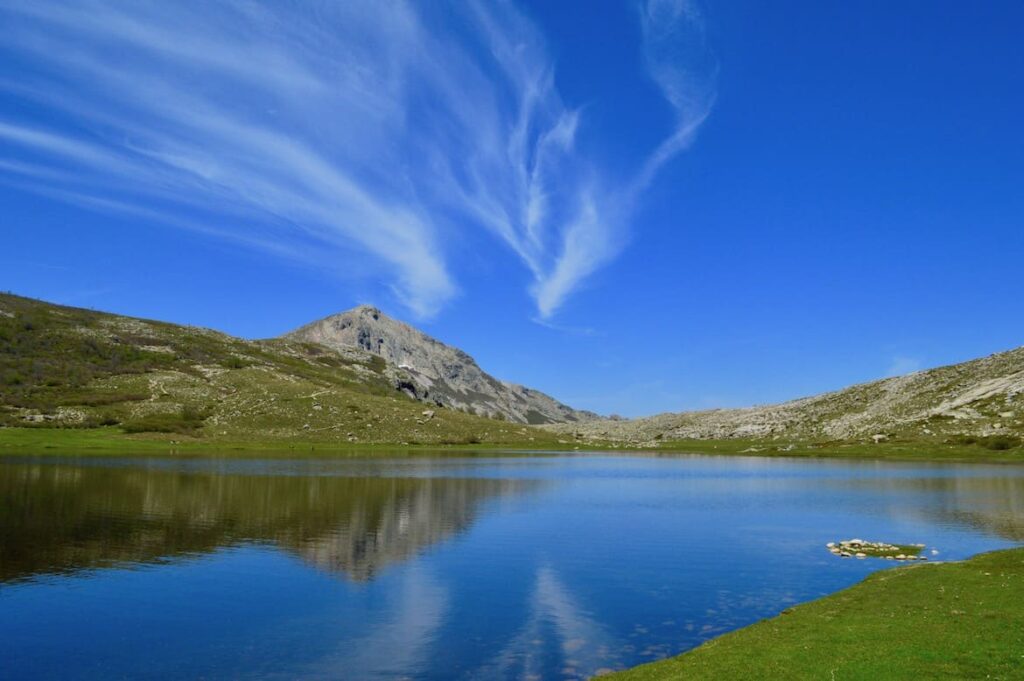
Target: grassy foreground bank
(935, 621)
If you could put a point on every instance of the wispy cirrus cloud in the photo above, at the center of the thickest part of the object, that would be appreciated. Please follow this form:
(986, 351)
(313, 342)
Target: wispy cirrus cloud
(330, 129)
(902, 365)
(680, 61)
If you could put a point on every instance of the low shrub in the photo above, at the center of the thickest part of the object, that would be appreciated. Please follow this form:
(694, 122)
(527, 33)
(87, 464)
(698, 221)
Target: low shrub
(102, 399)
(235, 362)
(461, 440)
(994, 442)
(186, 422)
(1000, 442)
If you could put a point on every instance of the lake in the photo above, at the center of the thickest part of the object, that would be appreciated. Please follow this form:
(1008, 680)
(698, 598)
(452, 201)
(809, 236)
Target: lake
(468, 567)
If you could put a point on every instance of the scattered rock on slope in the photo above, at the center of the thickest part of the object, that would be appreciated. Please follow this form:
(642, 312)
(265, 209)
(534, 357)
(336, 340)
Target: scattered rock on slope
(983, 398)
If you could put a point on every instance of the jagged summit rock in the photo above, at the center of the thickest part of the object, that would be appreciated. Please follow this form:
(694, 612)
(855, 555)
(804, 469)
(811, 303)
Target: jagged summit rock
(432, 371)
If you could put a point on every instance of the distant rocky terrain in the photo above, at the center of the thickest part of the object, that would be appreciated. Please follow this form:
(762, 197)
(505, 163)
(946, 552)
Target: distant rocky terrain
(983, 398)
(430, 371)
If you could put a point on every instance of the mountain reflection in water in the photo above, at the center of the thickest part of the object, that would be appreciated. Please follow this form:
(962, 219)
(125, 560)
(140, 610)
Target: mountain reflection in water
(57, 518)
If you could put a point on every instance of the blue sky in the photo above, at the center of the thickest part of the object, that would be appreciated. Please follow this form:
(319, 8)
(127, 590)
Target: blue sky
(634, 206)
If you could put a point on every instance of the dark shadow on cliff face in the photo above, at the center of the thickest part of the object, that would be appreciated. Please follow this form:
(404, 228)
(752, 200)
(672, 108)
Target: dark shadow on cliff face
(58, 518)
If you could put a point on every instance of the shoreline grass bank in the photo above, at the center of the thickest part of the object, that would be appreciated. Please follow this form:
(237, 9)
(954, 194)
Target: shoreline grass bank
(922, 450)
(112, 440)
(960, 620)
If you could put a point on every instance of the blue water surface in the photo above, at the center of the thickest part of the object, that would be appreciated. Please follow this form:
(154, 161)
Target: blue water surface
(470, 567)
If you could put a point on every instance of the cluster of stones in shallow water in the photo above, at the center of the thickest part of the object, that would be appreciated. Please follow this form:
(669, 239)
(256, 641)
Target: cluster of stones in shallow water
(859, 548)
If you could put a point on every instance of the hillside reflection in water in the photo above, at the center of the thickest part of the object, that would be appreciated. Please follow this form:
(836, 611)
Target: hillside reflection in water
(64, 518)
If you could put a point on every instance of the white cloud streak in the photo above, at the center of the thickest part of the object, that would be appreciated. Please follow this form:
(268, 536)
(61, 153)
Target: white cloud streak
(680, 62)
(407, 630)
(901, 366)
(553, 614)
(382, 128)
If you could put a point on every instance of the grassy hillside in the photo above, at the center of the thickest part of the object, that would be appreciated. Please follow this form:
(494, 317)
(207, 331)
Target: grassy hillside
(977, 404)
(940, 621)
(134, 379)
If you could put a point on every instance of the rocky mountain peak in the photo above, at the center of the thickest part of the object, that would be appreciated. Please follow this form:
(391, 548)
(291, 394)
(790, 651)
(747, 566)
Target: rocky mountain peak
(432, 371)
(366, 310)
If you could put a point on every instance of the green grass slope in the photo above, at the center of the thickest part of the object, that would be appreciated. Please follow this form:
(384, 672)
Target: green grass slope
(112, 378)
(934, 621)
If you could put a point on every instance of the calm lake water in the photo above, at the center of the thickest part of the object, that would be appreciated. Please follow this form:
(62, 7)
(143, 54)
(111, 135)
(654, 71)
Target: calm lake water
(443, 568)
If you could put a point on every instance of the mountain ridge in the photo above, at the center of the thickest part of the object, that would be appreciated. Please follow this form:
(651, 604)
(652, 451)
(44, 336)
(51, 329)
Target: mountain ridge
(980, 398)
